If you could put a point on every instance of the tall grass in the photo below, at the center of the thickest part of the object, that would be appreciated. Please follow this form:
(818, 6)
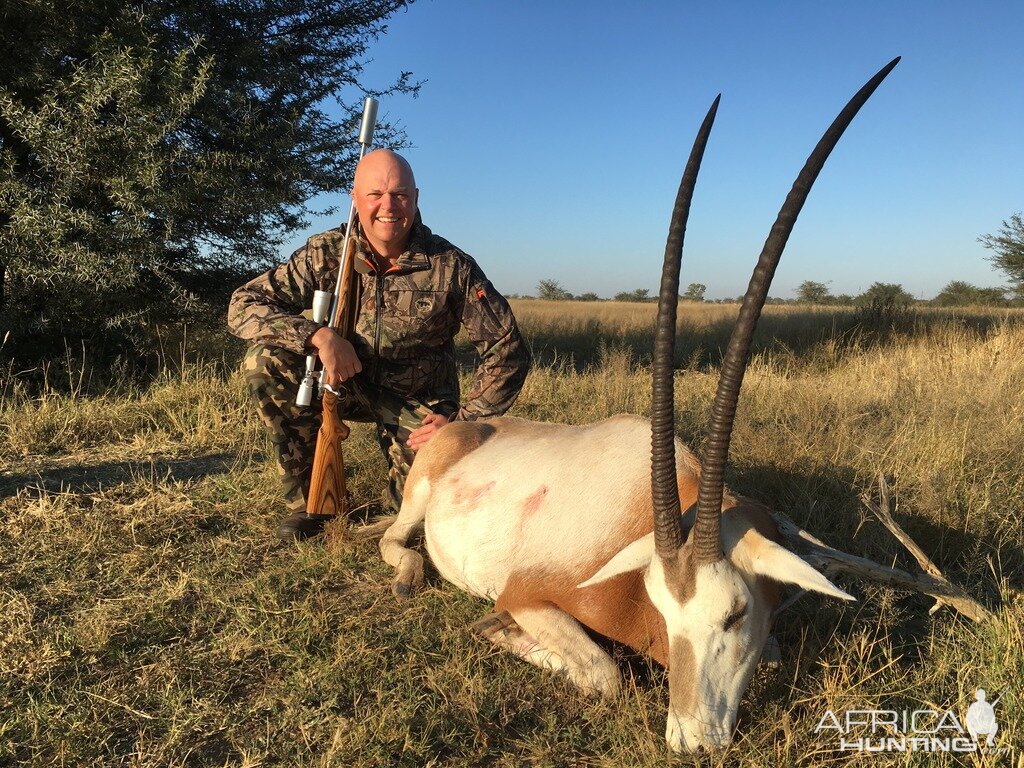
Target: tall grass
(147, 617)
(576, 333)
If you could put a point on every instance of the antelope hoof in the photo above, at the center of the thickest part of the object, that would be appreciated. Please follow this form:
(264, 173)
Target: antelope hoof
(402, 590)
(409, 577)
(606, 681)
(494, 625)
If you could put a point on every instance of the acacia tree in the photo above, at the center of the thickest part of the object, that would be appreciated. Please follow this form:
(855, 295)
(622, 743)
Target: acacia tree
(552, 290)
(694, 292)
(958, 293)
(811, 292)
(640, 294)
(150, 153)
(1007, 246)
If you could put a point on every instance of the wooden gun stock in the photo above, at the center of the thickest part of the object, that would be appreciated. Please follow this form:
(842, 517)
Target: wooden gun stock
(327, 492)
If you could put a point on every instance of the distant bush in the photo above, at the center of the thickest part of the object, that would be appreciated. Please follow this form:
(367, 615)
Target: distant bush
(640, 294)
(961, 294)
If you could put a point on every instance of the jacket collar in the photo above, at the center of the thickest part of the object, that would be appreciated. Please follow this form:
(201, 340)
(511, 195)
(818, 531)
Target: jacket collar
(414, 258)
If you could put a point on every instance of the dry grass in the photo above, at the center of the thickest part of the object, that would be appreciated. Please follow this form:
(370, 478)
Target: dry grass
(147, 618)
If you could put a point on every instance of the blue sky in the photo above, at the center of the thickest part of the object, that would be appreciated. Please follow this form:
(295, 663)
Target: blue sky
(549, 137)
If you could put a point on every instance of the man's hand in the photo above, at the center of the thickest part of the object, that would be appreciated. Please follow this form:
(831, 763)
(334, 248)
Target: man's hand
(337, 355)
(419, 437)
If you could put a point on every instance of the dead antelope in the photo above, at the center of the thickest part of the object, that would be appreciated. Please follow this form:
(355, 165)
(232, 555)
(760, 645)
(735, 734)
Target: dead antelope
(567, 527)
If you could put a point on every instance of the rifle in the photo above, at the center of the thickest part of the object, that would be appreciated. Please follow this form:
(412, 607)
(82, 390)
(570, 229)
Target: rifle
(327, 493)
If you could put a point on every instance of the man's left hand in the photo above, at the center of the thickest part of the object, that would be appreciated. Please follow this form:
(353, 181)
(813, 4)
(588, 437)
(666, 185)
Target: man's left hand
(419, 437)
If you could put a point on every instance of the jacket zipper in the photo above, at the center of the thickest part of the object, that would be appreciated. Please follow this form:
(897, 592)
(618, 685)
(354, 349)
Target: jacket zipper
(379, 281)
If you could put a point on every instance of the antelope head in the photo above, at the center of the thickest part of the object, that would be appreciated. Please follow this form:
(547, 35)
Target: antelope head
(714, 586)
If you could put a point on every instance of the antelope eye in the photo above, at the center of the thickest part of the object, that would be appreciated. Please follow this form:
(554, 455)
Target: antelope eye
(734, 618)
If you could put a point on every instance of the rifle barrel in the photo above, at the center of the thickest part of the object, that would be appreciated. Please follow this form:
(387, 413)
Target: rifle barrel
(369, 123)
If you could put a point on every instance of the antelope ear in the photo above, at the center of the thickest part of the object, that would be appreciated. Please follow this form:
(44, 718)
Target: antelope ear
(633, 557)
(766, 558)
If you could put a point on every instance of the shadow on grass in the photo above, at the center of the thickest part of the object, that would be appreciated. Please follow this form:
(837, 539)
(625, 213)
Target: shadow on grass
(86, 478)
(827, 503)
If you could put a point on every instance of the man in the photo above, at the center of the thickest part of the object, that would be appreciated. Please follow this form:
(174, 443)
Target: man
(398, 371)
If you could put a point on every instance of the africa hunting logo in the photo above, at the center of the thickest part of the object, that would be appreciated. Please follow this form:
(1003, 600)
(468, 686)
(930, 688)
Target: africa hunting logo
(919, 730)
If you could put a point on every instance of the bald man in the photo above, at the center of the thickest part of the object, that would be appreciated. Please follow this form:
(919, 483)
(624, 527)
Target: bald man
(398, 370)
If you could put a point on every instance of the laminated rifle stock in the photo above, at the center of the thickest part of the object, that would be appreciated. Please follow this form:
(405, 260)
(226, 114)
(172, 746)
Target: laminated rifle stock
(327, 493)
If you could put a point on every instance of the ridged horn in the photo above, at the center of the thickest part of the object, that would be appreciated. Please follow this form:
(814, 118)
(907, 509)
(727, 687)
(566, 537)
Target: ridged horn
(668, 531)
(706, 531)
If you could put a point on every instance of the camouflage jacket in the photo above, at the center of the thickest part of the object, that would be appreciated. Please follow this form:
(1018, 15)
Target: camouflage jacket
(407, 322)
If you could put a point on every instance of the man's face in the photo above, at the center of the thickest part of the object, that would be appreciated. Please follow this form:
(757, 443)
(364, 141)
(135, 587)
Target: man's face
(385, 195)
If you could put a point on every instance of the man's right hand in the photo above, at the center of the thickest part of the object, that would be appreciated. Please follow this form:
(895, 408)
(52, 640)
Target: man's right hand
(337, 355)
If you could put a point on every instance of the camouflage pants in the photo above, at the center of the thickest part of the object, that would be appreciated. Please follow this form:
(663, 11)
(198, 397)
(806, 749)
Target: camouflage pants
(273, 376)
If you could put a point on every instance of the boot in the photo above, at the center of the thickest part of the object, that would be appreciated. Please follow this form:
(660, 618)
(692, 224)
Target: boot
(301, 526)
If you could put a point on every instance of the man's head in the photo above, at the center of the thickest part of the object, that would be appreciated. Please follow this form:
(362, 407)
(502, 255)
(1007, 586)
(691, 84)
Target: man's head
(385, 195)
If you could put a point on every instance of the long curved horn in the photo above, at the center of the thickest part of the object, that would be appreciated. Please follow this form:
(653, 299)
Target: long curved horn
(668, 531)
(706, 530)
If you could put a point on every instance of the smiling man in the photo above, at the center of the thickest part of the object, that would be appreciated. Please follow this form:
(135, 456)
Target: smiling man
(386, 197)
(398, 371)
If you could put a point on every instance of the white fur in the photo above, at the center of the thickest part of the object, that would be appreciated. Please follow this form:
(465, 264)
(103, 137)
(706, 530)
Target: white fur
(723, 661)
(563, 646)
(590, 474)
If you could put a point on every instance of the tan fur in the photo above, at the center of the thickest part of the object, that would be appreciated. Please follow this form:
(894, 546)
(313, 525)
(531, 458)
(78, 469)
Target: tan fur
(452, 443)
(618, 608)
(460, 438)
(757, 514)
(759, 527)
(679, 575)
(682, 685)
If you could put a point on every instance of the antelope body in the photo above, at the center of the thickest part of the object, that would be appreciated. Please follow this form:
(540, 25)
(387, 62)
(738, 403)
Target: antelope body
(524, 513)
(566, 527)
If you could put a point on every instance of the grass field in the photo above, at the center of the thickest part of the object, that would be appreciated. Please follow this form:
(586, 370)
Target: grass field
(149, 618)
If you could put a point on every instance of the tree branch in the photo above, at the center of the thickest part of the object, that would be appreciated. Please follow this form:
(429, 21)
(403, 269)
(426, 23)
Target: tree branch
(830, 560)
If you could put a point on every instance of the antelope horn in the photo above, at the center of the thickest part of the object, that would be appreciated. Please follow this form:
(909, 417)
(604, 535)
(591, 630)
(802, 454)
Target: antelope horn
(706, 530)
(668, 531)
